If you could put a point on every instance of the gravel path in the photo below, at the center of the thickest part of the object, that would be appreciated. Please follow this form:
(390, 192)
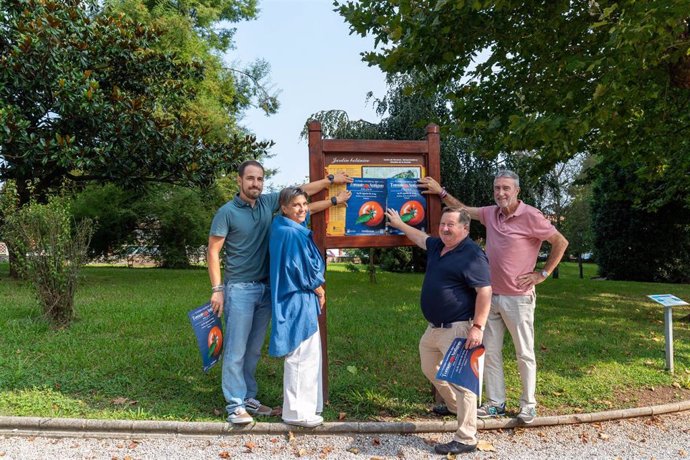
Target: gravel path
(657, 437)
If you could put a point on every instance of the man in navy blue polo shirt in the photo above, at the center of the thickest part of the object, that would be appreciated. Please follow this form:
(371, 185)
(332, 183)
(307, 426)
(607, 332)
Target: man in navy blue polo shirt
(241, 227)
(455, 300)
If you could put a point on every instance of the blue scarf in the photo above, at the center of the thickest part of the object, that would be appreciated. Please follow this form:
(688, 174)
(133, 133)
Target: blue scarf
(297, 268)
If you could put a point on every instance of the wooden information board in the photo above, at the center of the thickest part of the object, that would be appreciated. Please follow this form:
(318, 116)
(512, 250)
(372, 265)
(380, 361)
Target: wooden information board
(367, 159)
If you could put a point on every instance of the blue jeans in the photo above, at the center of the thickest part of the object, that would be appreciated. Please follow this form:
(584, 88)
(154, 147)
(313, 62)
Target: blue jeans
(247, 308)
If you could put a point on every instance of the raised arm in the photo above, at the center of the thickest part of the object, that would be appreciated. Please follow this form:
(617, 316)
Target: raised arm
(315, 187)
(431, 187)
(417, 236)
(340, 198)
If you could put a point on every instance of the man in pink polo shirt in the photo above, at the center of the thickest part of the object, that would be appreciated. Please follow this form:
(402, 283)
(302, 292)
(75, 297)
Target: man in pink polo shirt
(514, 234)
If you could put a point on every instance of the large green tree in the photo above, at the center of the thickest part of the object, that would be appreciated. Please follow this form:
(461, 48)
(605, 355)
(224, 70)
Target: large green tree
(88, 94)
(553, 78)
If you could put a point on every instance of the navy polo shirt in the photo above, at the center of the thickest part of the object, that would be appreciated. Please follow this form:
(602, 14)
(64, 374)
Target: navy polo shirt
(246, 231)
(448, 291)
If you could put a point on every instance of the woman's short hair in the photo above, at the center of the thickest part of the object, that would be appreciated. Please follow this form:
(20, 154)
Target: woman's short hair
(290, 193)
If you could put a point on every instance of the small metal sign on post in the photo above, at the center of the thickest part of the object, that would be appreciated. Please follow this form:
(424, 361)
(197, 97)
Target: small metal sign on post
(668, 301)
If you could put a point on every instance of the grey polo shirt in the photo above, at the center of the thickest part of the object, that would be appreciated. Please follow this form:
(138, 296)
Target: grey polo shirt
(246, 233)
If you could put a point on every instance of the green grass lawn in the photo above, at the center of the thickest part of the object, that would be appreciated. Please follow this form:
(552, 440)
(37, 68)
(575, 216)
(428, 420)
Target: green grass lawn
(131, 353)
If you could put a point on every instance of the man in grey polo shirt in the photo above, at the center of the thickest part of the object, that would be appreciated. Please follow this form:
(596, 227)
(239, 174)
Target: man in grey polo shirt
(241, 226)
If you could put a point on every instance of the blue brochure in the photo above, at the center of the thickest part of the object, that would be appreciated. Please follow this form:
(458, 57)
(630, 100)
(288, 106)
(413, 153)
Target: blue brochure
(404, 196)
(209, 334)
(365, 209)
(461, 366)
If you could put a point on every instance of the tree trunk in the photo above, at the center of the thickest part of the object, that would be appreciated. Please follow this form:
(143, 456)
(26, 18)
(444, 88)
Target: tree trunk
(579, 264)
(372, 267)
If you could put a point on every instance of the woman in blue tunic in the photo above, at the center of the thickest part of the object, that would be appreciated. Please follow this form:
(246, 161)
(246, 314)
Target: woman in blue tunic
(297, 276)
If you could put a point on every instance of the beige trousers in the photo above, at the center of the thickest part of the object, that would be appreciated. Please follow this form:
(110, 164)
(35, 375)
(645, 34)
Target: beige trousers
(515, 313)
(432, 347)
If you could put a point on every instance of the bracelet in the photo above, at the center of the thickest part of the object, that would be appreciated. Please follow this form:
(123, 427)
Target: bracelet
(334, 201)
(443, 194)
(217, 288)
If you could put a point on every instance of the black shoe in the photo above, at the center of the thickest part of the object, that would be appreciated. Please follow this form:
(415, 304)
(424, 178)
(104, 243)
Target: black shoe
(441, 409)
(454, 447)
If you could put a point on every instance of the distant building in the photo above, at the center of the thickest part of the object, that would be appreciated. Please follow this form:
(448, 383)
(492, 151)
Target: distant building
(4, 253)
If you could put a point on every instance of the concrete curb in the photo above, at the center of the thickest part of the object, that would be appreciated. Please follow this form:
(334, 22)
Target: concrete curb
(66, 427)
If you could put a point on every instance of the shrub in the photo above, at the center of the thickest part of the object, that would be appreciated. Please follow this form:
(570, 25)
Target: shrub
(50, 254)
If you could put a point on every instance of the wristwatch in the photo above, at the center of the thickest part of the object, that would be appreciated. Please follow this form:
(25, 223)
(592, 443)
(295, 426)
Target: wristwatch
(334, 201)
(544, 273)
(478, 326)
(331, 178)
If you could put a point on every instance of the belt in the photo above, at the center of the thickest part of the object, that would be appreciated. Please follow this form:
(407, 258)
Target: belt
(445, 325)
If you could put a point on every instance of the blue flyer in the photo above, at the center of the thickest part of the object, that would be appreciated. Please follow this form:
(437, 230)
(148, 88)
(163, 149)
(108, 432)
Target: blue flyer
(365, 209)
(404, 196)
(209, 334)
(461, 366)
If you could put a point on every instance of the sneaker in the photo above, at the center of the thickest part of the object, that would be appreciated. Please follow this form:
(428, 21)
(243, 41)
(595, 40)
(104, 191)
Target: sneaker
(254, 407)
(310, 423)
(491, 410)
(240, 417)
(527, 415)
(441, 409)
(454, 447)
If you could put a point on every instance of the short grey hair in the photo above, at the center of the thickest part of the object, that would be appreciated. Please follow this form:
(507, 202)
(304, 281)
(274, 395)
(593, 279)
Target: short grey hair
(510, 174)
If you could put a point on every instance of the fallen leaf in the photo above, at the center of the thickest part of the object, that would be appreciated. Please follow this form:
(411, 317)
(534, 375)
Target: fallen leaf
(485, 446)
(683, 453)
(676, 385)
(376, 442)
(2, 453)
(123, 402)
(250, 445)
(133, 444)
(302, 452)
(217, 412)
(291, 436)
(543, 348)
(376, 458)
(400, 454)
(224, 454)
(274, 440)
(326, 450)
(604, 436)
(584, 438)
(342, 415)
(353, 450)
(352, 370)
(126, 457)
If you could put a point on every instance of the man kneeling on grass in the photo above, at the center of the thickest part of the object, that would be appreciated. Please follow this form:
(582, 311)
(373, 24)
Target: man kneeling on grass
(455, 300)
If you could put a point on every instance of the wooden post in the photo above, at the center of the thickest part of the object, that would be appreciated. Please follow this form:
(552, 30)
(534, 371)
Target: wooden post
(318, 227)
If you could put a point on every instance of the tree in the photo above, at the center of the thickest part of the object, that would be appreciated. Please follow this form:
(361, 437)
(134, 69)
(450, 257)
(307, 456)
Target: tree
(633, 243)
(577, 224)
(91, 95)
(554, 78)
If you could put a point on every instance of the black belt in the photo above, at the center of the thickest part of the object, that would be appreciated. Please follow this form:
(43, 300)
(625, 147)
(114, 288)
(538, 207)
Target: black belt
(445, 325)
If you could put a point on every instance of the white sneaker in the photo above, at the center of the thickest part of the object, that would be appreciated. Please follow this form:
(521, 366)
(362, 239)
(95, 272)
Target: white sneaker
(310, 423)
(254, 407)
(240, 417)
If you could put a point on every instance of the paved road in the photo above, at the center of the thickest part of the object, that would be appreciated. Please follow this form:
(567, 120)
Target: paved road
(658, 437)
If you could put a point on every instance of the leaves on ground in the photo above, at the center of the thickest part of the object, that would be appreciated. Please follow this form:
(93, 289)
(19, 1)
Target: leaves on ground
(353, 450)
(224, 454)
(121, 401)
(485, 446)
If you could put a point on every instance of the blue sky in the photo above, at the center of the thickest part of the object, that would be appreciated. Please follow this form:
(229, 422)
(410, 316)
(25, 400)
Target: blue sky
(315, 64)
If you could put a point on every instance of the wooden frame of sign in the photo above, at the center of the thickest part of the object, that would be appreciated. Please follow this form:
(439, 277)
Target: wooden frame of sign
(325, 153)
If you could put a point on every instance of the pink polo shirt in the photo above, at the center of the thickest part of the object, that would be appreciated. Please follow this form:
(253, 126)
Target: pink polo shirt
(512, 244)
